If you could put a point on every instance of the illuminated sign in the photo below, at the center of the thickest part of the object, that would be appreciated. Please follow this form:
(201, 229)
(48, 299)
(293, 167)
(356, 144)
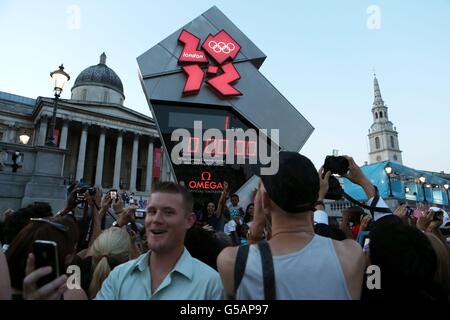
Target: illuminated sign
(221, 48)
(205, 184)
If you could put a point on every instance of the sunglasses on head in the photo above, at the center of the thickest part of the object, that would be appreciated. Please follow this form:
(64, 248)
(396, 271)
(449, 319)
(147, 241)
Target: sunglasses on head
(58, 226)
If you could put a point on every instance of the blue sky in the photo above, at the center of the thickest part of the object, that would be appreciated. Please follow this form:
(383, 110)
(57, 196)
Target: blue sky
(320, 56)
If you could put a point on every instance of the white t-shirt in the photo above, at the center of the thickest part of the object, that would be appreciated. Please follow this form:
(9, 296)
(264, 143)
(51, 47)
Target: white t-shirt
(230, 226)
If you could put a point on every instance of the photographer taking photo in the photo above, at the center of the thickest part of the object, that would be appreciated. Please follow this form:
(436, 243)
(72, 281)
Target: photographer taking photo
(297, 263)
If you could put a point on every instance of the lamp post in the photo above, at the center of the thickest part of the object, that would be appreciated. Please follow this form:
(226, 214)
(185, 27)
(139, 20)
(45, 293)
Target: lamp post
(446, 187)
(24, 138)
(422, 180)
(60, 77)
(388, 170)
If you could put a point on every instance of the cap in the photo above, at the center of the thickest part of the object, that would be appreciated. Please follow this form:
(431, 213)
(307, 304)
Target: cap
(295, 187)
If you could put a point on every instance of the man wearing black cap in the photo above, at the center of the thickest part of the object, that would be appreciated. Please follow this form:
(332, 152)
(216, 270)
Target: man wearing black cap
(295, 263)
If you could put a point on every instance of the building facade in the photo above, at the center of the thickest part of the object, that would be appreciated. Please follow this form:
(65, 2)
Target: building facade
(99, 142)
(383, 136)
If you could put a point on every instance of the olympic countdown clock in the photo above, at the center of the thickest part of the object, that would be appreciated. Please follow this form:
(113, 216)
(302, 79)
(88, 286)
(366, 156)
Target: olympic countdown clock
(208, 71)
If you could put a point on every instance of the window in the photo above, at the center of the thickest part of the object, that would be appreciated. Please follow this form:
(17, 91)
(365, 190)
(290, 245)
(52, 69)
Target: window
(106, 97)
(376, 115)
(395, 157)
(84, 94)
(392, 142)
(381, 114)
(377, 143)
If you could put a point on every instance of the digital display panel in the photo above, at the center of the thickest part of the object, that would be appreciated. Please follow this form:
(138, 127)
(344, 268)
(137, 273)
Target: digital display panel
(205, 179)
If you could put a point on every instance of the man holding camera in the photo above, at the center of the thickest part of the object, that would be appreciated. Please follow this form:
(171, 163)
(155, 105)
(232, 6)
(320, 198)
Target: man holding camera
(297, 264)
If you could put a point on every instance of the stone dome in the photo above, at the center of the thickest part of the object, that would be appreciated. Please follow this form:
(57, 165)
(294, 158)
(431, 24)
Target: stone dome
(100, 74)
(98, 83)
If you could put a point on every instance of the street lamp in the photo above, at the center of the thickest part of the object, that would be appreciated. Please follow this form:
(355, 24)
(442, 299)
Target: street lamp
(446, 187)
(422, 180)
(24, 139)
(60, 77)
(388, 170)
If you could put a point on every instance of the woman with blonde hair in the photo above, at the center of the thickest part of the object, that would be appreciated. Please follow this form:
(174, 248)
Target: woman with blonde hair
(111, 248)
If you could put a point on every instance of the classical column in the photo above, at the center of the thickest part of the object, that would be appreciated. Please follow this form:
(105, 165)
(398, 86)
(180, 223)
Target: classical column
(118, 161)
(82, 153)
(64, 133)
(149, 180)
(134, 160)
(42, 131)
(12, 133)
(100, 158)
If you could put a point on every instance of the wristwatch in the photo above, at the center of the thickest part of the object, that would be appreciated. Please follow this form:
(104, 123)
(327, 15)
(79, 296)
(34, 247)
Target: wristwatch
(114, 224)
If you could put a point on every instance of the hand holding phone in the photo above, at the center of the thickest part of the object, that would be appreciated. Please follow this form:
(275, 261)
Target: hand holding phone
(113, 194)
(51, 291)
(46, 254)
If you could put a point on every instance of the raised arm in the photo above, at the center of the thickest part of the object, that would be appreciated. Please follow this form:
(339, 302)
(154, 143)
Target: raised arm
(97, 213)
(223, 198)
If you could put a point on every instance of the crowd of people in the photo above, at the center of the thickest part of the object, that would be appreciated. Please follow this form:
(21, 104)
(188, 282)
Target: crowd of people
(283, 245)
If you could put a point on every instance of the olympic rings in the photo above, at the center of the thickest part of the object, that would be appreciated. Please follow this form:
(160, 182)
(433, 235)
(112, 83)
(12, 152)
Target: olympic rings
(222, 47)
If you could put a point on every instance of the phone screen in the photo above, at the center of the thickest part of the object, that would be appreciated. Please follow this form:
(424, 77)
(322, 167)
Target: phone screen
(113, 195)
(139, 214)
(46, 254)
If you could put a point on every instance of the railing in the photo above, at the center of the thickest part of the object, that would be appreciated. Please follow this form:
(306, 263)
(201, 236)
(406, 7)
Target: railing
(335, 208)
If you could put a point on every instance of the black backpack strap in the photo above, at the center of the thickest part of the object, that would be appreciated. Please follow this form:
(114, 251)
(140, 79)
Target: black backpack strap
(239, 266)
(267, 270)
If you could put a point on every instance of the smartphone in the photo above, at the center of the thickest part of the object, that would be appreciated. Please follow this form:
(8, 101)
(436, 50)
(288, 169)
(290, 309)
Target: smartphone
(46, 254)
(139, 214)
(113, 194)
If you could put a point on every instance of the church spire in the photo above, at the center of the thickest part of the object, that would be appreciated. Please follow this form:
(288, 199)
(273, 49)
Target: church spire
(377, 93)
(103, 58)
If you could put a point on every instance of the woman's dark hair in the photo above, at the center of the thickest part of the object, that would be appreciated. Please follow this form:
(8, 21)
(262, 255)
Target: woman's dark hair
(240, 228)
(247, 217)
(355, 213)
(203, 245)
(405, 257)
(22, 245)
(19, 219)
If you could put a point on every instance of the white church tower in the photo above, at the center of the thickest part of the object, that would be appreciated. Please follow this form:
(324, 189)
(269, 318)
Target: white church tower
(383, 136)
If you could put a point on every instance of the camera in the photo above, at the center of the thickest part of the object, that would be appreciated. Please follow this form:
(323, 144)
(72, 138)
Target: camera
(336, 165)
(80, 193)
(438, 215)
(409, 211)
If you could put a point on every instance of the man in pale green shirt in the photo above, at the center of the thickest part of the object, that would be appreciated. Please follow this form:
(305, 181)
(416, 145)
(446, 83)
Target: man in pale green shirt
(167, 271)
(190, 279)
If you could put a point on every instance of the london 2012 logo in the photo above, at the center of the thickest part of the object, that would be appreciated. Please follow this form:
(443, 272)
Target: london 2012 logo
(222, 74)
